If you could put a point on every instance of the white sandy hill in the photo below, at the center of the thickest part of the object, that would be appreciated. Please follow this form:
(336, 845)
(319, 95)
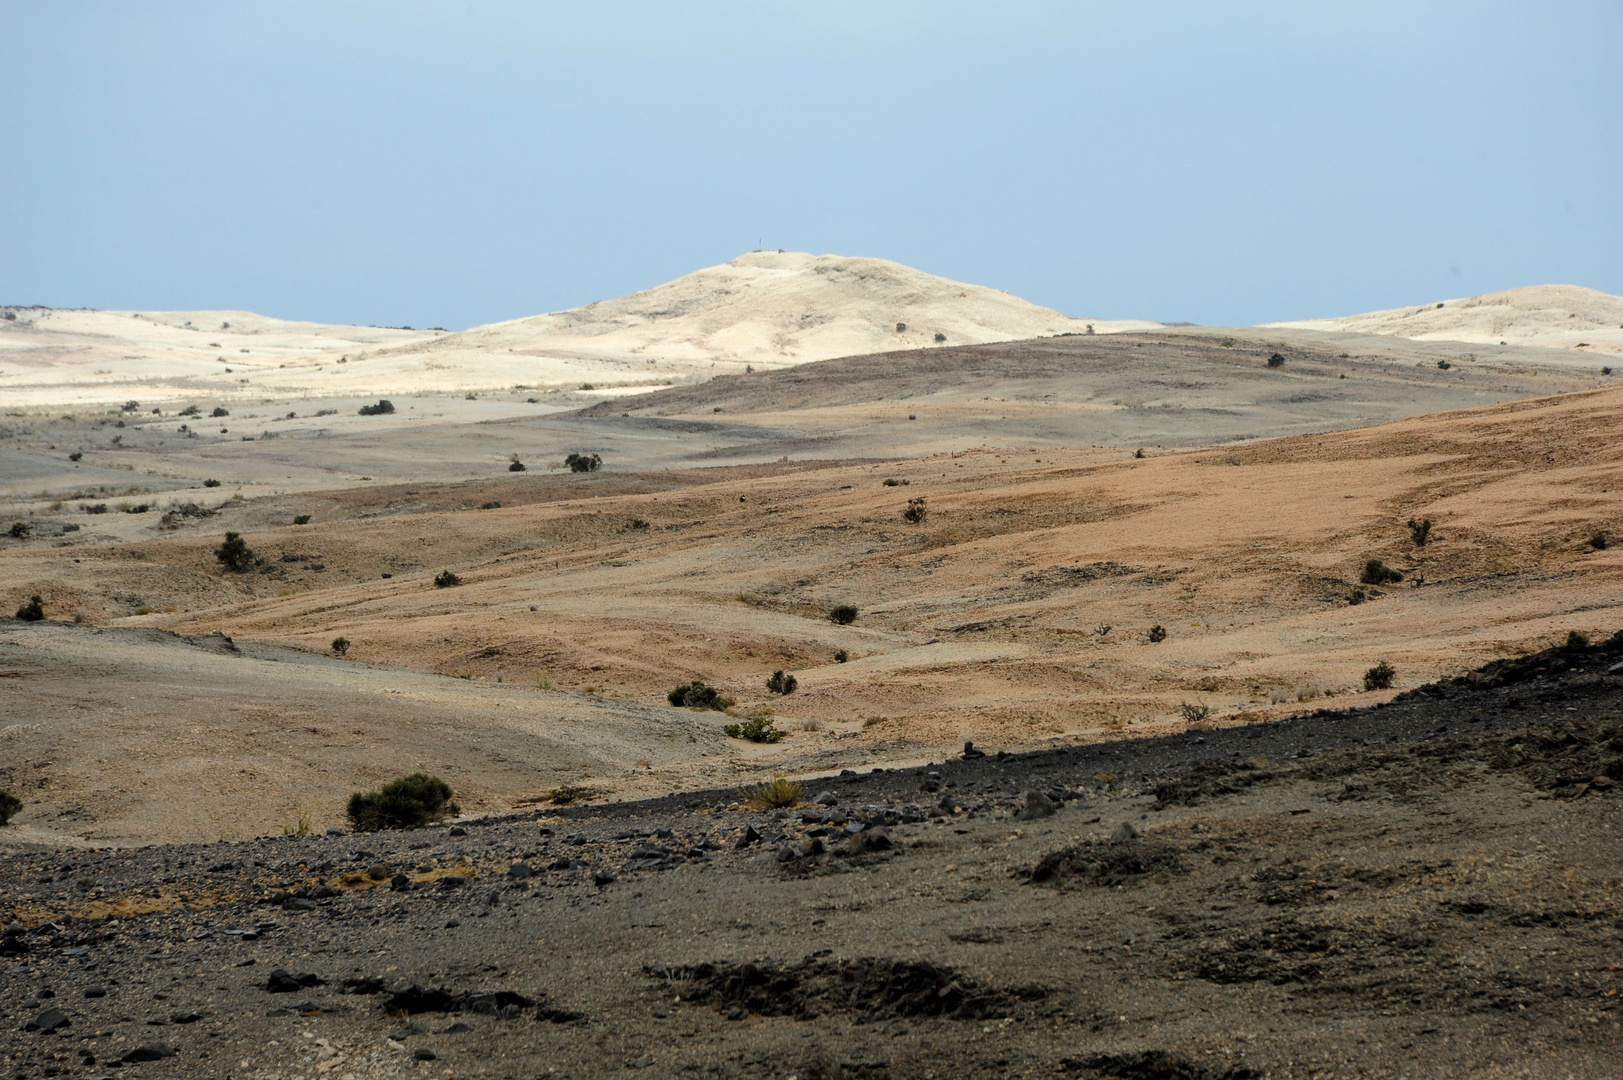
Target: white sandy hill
(1547, 316)
(767, 309)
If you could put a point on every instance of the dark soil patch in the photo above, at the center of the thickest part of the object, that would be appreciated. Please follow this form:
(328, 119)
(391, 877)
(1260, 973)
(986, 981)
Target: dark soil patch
(1103, 863)
(876, 989)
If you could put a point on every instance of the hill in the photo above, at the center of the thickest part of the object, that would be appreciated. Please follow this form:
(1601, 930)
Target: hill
(1548, 316)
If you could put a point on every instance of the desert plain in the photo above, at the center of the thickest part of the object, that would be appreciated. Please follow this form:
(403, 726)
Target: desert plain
(1058, 539)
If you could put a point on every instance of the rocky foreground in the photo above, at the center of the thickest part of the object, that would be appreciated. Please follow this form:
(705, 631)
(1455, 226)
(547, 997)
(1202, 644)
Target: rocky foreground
(1427, 888)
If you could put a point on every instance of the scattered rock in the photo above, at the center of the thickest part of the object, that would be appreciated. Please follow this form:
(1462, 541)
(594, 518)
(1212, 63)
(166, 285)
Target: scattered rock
(1125, 832)
(970, 752)
(185, 1017)
(519, 871)
(95, 991)
(750, 837)
(282, 981)
(825, 798)
(379, 871)
(1037, 806)
(603, 877)
(150, 1052)
(49, 1020)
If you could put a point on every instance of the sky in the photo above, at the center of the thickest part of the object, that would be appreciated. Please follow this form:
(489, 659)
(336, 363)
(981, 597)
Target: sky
(451, 164)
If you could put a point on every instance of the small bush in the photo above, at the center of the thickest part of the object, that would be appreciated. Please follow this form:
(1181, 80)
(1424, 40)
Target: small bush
(891, 481)
(211, 483)
(916, 511)
(1158, 633)
(636, 523)
(96, 508)
(1577, 639)
(844, 614)
(841, 656)
(445, 579)
(1195, 714)
(1379, 677)
(1597, 540)
(1276, 360)
(77, 455)
(568, 793)
(1357, 596)
(494, 504)
(33, 611)
(301, 519)
(382, 408)
(1377, 572)
(1443, 365)
(698, 695)
(1420, 531)
(773, 795)
(190, 410)
(780, 683)
(408, 803)
(941, 337)
(235, 554)
(220, 410)
(9, 805)
(583, 462)
(20, 529)
(755, 729)
(131, 406)
(340, 645)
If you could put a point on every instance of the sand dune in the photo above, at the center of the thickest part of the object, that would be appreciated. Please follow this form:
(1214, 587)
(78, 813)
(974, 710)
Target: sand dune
(1548, 316)
(764, 309)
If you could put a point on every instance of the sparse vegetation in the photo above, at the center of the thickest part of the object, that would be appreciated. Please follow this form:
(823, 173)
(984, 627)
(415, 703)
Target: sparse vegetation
(514, 464)
(779, 683)
(916, 511)
(1576, 639)
(1379, 677)
(190, 410)
(940, 337)
(235, 554)
(445, 579)
(494, 504)
(698, 695)
(1357, 596)
(1193, 713)
(77, 455)
(408, 803)
(568, 793)
(33, 611)
(301, 827)
(9, 805)
(759, 729)
(220, 410)
(1377, 572)
(20, 530)
(1139, 452)
(844, 614)
(1276, 360)
(301, 519)
(1158, 633)
(1443, 365)
(340, 646)
(636, 523)
(382, 408)
(841, 656)
(583, 462)
(1597, 539)
(211, 483)
(891, 481)
(1420, 531)
(773, 795)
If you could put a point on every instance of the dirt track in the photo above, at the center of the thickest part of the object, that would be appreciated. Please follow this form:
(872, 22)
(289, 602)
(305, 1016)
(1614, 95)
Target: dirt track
(1426, 888)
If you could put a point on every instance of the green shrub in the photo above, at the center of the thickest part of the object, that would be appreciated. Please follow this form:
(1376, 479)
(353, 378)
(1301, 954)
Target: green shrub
(1597, 539)
(844, 614)
(235, 553)
(1577, 639)
(891, 481)
(382, 408)
(211, 483)
(780, 683)
(755, 729)
(583, 462)
(697, 695)
(33, 611)
(1357, 596)
(445, 579)
(220, 410)
(9, 805)
(20, 529)
(494, 504)
(841, 656)
(191, 410)
(301, 519)
(774, 795)
(407, 803)
(1195, 714)
(340, 645)
(637, 523)
(1377, 572)
(1158, 633)
(916, 511)
(1420, 531)
(1379, 677)
(1276, 360)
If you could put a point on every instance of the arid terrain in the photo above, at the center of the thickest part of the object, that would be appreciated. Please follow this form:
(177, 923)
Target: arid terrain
(1148, 572)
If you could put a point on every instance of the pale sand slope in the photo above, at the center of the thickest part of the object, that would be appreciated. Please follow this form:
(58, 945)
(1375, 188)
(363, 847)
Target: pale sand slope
(1549, 316)
(767, 309)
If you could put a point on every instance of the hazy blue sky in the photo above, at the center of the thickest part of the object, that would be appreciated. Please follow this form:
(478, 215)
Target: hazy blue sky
(456, 163)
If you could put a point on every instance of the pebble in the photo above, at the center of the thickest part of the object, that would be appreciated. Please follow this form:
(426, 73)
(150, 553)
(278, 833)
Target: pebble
(49, 1020)
(825, 798)
(750, 837)
(519, 871)
(101, 991)
(602, 877)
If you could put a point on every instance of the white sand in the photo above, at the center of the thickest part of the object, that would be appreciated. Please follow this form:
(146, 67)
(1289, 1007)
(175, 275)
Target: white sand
(766, 309)
(1547, 316)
